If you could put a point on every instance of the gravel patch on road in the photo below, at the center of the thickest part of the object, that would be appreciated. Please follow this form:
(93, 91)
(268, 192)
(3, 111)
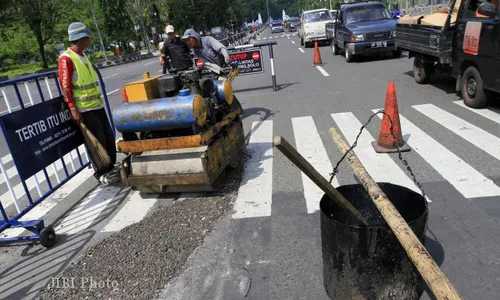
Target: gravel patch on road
(137, 262)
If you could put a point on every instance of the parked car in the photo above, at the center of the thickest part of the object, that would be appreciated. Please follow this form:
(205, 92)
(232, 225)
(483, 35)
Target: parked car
(277, 26)
(312, 26)
(294, 24)
(364, 28)
(219, 33)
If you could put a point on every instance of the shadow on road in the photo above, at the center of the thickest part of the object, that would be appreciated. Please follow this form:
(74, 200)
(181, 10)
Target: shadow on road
(37, 268)
(436, 250)
(443, 82)
(280, 87)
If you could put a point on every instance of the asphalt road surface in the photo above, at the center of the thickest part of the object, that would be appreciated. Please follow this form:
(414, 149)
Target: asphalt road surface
(267, 244)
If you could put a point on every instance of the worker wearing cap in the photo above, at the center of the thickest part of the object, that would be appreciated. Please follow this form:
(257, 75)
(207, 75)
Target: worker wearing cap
(207, 48)
(177, 50)
(82, 94)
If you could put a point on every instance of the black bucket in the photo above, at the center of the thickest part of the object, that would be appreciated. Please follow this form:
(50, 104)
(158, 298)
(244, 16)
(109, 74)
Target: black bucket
(361, 262)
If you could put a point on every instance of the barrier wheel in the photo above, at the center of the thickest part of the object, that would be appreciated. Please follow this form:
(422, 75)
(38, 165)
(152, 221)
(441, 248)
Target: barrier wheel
(47, 237)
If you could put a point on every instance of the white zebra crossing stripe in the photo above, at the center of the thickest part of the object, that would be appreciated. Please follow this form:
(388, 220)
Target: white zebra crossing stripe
(471, 133)
(309, 144)
(469, 182)
(255, 193)
(134, 210)
(380, 166)
(487, 113)
(88, 210)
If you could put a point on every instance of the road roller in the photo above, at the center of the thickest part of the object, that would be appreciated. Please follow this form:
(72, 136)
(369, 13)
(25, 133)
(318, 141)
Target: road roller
(180, 132)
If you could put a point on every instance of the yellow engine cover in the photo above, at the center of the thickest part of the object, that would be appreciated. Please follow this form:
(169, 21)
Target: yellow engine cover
(143, 90)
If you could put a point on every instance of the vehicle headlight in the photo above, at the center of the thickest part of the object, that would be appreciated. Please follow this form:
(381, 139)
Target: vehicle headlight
(393, 33)
(357, 38)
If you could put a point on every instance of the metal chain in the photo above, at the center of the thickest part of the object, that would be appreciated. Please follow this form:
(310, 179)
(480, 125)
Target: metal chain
(405, 163)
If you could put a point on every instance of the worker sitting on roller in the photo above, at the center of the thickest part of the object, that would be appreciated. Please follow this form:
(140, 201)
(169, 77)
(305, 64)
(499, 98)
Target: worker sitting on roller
(207, 48)
(178, 52)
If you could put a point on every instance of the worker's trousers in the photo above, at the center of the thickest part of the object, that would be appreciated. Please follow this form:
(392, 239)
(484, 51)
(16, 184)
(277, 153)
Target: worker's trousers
(97, 122)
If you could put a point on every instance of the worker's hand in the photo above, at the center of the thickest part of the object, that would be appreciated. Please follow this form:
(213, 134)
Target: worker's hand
(162, 61)
(75, 114)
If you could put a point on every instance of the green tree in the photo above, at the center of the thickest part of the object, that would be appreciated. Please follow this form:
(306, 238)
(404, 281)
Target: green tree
(118, 24)
(41, 16)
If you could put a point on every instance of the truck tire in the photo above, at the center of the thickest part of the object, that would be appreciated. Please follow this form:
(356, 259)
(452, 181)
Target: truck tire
(302, 42)
(396, 53)
(348, 55)
(335, 48)
(421, 71)
(473, 91)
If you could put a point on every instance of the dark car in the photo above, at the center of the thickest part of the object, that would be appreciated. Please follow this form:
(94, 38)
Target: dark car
(363, 28)
(293, 24)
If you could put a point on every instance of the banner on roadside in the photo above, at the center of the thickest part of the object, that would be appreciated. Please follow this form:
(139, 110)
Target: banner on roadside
(39, 135)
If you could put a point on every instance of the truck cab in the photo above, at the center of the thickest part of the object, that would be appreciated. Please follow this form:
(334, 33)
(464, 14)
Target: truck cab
(477, 52)
(363, 28)
(463, 42)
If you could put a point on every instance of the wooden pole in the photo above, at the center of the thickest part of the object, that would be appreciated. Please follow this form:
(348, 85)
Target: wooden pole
(320, 181)
(437, 281)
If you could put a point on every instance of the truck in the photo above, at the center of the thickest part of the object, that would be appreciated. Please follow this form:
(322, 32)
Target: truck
(362, 28)
(312, 26)
(466, 46)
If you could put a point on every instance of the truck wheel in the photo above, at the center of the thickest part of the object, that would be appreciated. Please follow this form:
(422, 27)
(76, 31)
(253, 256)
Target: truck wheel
(472, 89)
(302, 42)
(421, 71)
(335, 49)
(348, 55)
(396, 53)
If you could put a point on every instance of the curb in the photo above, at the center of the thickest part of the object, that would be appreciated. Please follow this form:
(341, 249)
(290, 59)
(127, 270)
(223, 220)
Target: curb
(123, 60)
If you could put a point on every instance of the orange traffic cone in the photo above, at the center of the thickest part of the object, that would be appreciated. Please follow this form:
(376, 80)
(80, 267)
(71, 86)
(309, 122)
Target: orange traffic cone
(387, 140)
(317, 55)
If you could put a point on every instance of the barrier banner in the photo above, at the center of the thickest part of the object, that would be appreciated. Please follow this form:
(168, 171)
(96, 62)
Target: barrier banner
(249, 60)
(39, 135)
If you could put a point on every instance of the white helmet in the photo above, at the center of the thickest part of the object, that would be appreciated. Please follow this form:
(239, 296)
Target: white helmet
(169, 29)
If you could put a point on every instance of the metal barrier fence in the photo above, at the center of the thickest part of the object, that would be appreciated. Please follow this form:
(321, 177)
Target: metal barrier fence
(22, 186)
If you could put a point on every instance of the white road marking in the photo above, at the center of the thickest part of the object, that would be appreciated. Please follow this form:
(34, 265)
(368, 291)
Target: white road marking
(134, 210)
(310, 145)
(150, 63)
(288, 37)
(107, 77)
(487, 113)
(301, 50)
(39, 211)
(467, 180)
(275, 36)
(471, 133)
(112, 92)
(379, 165)
(88, 210)
(264, 38)
(255, 193)
(7, 198)
(293, 42)
(322, 71)
(159, 71)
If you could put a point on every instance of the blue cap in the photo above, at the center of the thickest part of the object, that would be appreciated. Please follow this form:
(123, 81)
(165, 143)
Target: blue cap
(77, 31)
(189, 33)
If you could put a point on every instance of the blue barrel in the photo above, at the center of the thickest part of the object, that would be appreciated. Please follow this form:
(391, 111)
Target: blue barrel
(178, 112)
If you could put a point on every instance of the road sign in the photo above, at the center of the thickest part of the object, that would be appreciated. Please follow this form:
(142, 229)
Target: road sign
(249, 60)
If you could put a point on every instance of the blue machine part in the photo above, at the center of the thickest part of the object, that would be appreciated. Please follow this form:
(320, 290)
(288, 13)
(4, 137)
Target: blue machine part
(224, 91)
(178, 112)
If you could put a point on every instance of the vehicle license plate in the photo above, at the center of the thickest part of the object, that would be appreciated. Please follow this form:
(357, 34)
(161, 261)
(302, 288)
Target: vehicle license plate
(379, 44)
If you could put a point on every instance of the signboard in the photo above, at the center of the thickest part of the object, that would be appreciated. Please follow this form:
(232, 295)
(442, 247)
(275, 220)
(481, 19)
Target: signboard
(471, 38)
(249, 60)
(39, 135)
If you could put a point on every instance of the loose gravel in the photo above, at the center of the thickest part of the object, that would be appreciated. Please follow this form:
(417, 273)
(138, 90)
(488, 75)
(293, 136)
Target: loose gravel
(138, 261)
